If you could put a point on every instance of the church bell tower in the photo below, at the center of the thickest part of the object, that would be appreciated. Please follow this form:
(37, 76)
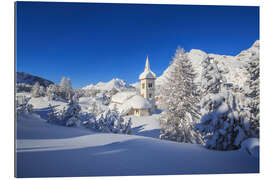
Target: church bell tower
(147, 86)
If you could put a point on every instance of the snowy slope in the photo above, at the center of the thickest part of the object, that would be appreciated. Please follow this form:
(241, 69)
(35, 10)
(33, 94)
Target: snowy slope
(148, 126)
(45, 150)
(232, 67)
(22, 77)
(114, 83)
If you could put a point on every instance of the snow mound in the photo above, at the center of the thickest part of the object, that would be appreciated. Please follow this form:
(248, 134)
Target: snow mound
(252, 146)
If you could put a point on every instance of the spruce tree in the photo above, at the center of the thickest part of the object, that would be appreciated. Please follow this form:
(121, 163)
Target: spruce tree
(179, 99)
(35, 92)
(253, 95)
(63, 87)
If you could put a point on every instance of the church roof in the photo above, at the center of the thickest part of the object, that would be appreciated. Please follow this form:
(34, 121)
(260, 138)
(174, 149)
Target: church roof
(147, 74)
(121, 97)
(136, 102)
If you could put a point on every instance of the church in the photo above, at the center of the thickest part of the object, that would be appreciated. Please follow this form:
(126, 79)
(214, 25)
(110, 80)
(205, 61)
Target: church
(143, 104)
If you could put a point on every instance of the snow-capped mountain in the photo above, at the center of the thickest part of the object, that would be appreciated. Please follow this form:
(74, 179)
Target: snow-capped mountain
(232, 67)
(30, 79)
(116, 83)
(136, 85)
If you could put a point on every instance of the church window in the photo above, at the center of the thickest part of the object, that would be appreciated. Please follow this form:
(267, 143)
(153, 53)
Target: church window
(150, 85)
(143, 85)
(150, 95)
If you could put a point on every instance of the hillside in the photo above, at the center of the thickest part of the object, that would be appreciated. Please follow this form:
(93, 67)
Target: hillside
(29, 79)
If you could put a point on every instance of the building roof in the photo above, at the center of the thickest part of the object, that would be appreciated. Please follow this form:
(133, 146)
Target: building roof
(121, 97)
(136, 102)
(147, 74)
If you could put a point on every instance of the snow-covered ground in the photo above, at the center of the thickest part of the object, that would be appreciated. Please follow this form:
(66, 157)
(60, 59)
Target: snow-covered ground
(49, 150)
(145, 126)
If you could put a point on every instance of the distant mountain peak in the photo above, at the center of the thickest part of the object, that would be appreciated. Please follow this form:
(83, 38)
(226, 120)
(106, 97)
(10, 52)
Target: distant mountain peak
(116, 83)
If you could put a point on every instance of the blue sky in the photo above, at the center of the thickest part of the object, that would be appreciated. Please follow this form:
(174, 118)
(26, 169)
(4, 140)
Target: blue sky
(91, 42)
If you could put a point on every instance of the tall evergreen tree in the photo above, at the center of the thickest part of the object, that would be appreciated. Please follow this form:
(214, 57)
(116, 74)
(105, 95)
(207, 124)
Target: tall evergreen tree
(179, 99)
(52, 91)
(253, 95)
(222, 124)
(211, 77)
(63, 87)
(69, 93)
(35, 92)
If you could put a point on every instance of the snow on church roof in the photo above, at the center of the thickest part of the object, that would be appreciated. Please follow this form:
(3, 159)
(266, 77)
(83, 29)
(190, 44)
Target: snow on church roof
(147, 74)
(136, 102)
(121, 97)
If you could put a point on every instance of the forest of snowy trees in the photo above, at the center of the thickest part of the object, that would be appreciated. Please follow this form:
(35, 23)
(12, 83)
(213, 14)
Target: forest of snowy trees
(211, 113)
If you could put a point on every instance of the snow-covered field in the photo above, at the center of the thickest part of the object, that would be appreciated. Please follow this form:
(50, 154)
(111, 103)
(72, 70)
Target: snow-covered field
(47, 150)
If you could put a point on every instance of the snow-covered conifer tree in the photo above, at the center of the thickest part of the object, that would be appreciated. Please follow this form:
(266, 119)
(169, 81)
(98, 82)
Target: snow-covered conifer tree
(179, 99)
(22, 105)
(127, 128)
(63, 88)
(110, 121)
(51, 92)
(211, 77)
(42, 91)
(69, 116)
(52, 114)
(72, 115)
(68, 89)
(35, 92)
(253, 95)
(221, 123)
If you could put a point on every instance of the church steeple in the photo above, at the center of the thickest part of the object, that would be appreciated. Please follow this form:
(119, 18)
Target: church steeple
(147, 65)
(147, 74)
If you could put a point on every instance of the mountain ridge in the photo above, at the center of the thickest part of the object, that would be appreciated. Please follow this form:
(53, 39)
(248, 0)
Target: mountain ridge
(29, 79)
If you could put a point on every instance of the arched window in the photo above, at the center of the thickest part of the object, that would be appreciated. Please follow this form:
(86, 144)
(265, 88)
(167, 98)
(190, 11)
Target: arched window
(150, 95)
(143, 85)
(150, 85)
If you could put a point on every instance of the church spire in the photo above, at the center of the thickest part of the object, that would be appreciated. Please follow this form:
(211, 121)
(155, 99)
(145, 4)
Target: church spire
(147, 74)
(147, 65)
